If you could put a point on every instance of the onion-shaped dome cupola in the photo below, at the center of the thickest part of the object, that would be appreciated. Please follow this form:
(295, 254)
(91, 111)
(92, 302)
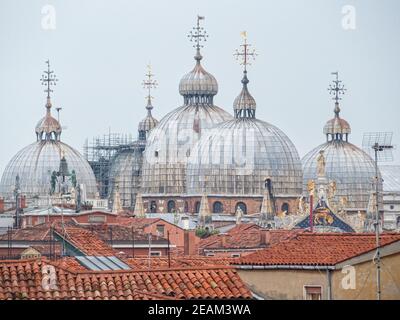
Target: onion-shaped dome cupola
(352, 169)
(238, 155)
(149, 122)
(35, 163)
(170, 143)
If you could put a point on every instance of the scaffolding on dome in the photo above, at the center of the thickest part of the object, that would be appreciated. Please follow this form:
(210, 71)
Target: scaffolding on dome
(100, 152)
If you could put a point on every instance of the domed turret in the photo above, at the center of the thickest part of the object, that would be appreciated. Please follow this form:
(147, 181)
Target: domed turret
(170, 142)
(238, 156)
(35, 163)
(351, 168)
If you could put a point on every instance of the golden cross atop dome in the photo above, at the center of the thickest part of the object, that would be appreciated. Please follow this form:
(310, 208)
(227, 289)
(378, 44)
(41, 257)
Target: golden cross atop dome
(198, 34)
(149, 83)
(337, 89)
(48, 79)
(244, 53)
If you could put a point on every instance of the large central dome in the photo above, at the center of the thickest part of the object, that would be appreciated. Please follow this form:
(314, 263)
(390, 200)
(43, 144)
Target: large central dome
(170, 143)
(239, 155)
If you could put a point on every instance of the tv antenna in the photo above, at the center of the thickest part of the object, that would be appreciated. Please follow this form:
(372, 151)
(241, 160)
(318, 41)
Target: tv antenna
(379, 146)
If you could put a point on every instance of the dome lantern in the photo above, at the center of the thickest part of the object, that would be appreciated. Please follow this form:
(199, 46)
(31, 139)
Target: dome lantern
(244, 105)
(337, 128)
(198, 86)
(149, 122)
(48, 128)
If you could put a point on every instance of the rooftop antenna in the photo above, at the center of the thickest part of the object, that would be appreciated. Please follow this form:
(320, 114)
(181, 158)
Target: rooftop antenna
(380, 145)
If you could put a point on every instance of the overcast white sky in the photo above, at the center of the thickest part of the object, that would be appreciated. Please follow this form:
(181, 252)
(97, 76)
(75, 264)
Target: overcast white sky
(100, 50)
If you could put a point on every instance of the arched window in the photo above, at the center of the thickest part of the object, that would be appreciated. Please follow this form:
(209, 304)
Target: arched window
(171, 206)
(197, 207)
(153, 207)
(398, 223)
(242, 206)
(218, 207)
(285, 207)
(186, 208)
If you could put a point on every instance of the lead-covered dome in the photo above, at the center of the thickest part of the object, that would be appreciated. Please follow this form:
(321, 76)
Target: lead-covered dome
(239, 155)
(35, 163)
(170, 143)
(350, 167)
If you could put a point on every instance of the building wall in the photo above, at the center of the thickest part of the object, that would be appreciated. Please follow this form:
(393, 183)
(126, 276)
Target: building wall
(283, 284)
(366, 281)
(289, 284)
(188, 204)
(391, 207)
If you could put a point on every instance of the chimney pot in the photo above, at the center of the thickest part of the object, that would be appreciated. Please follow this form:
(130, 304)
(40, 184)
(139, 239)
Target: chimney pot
(265, 237)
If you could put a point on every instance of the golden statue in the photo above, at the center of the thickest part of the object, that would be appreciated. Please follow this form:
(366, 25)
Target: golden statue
(321, 164)
(311, 186)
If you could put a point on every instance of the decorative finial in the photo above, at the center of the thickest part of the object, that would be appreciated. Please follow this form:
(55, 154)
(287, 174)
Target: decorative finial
(244, 53)
(197, 35)
(149, 83)
(336, 90)
(48, 79)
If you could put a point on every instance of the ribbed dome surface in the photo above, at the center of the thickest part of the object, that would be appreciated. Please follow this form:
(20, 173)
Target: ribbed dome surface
(35, 163)
(169, 145)
(198, 82)
(351, 168)
(239, 155)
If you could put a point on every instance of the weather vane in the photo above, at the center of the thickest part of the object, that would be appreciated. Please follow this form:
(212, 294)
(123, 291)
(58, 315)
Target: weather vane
(149, 83)
(48, 79)
(337, 89)
(198, 34)
(245, 52)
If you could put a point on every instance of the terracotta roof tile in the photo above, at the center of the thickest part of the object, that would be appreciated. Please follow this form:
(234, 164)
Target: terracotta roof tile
(246, 236)
(322, 249)
(23, 280)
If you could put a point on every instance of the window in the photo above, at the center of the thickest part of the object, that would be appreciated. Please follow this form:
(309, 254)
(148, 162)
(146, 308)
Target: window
(97, 219)
(153, 207)
(197, 207)
(218, 207)
(312, 292)
(41, 220)
(391, 207)
(155, 253)
(242, 206)
(235, 255)
(160, 230)
(285, 207)
(171, 206)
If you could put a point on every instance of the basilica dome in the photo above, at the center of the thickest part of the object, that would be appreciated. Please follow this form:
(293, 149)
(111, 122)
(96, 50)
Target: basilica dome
(170, 143)
(239, 155)
(35, 163)
(350, 167)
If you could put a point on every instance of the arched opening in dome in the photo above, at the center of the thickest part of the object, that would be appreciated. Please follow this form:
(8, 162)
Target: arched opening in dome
(242, 206)
(398, 223)
(153, 207)
(197, 207)
(186, 207)
(285, 207)
(171, 206)
(218, 207)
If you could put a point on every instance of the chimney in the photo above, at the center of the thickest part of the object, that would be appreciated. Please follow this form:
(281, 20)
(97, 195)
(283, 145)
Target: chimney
(265, 237)
(189, 243)
(1, 205)
(185, 223)
(23, 202)
(223, 239)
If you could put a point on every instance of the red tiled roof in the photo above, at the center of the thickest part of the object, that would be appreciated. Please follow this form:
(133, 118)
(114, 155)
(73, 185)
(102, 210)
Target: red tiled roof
(35, 233)
(245, 236)
(176, 262)
(84, 240)
(23, 280)
(321, 249)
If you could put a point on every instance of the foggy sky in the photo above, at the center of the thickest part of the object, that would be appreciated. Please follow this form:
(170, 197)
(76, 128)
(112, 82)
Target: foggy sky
(100, 49)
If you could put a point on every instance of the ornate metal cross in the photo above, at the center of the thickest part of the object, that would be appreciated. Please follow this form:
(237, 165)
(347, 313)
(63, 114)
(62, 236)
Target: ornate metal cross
(198, 34)
(149, 83)
(337, 88)
(48, 79)
(245, 53)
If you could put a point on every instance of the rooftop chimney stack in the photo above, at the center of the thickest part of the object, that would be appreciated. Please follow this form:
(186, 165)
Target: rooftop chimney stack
(265, 237)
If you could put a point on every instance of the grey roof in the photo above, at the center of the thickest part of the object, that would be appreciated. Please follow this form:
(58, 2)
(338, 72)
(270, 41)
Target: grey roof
(391, 177)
